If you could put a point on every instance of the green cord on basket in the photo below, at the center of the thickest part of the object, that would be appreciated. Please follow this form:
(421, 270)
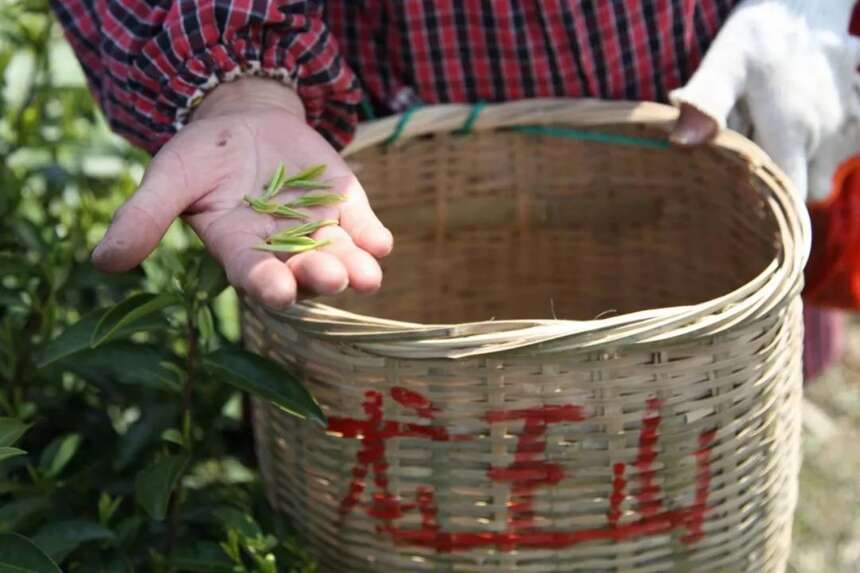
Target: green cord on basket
(367, 108)
(548, 130)
(473, 117)
(401, 125)
(598, 137)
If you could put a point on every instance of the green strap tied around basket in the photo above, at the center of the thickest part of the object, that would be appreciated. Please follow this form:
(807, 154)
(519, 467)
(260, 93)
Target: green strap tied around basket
(595, 136)
(367, 108)
(401, 125)
(473, 117)
(546, 130)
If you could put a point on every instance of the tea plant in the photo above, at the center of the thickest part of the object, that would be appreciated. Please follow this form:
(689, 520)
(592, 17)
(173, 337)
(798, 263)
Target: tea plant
(124, 436)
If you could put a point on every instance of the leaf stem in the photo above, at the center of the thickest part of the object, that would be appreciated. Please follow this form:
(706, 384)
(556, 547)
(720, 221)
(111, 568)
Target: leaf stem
(192, 362)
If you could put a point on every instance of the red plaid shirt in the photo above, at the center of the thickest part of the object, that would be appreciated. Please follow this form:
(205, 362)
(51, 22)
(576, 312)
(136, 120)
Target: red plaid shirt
(149, 61)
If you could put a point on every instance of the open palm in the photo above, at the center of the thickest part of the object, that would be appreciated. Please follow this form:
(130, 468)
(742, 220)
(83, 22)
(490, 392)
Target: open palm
(235, 143)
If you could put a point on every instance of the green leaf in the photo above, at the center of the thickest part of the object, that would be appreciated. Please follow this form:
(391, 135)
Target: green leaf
(317, 200)
(28, 233)
(206, 323)
(19, 555)
(10, 298)
(128, 529)
(145, 431)
(275, 183)
(265, 563)
(71, 341)
(107, 507)
(202, 557)
(295, 241)
(287, 212)
(14, 265)
(128, 312)
(15, 514)
(211, 280)
(174, 436)
(6, 453)
(300, 230)
(127, 363)
(10, 486)
(58, 454)
(231, 547)
(11, 429)
(239, 521)
(77, 337)
(294, 245)
(60, 538)
(156, 482)
(263, 378)
(260, 205)
(312, 185)
(309, 174)
(110, 561)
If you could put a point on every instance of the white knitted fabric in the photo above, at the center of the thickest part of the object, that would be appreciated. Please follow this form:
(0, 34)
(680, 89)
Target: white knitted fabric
(787, 69)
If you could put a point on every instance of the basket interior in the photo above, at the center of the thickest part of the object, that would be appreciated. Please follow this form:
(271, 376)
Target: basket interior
(506, 225)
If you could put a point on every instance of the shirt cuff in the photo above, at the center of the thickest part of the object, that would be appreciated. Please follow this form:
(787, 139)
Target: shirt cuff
(295, 49)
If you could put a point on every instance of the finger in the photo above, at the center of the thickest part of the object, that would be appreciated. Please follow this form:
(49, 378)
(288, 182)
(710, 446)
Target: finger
(360, 222)
(261, 275)
(176, 177)
(693, 127)
(363, 270)
(318, 273)
(139, 225)
(719, 82)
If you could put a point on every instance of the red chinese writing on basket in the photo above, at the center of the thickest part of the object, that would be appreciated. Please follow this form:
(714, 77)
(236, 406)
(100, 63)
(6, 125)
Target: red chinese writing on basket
(528, 472)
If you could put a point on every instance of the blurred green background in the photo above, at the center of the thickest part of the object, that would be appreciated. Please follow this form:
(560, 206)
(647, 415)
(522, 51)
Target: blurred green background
(92, 443)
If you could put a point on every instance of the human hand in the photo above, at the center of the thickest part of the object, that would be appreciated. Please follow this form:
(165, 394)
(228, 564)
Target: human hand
(785, 72)
(234, 143)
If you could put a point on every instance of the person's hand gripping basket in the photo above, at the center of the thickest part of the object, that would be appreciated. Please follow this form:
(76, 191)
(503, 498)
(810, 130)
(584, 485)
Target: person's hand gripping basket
(786, 74)
(585, 355)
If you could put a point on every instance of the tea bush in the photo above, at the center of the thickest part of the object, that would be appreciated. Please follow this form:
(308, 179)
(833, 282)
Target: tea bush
(124, 437)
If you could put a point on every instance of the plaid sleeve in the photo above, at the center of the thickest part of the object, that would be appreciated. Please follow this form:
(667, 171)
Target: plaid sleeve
(149, 62)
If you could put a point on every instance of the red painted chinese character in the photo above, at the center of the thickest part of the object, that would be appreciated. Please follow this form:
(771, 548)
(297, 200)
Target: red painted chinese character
(528, 472)
(373, 432)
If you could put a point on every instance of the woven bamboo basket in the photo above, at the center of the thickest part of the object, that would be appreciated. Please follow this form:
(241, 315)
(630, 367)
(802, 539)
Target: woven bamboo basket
(586, 355)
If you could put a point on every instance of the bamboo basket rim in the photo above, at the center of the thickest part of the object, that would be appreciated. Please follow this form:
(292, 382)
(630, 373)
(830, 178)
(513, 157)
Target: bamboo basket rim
(769, 291)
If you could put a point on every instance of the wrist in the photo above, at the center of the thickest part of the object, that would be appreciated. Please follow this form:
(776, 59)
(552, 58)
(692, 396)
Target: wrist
(248, 95)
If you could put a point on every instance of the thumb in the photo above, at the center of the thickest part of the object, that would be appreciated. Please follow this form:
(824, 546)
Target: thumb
(693, 127)
(167, 190)
(717, 85)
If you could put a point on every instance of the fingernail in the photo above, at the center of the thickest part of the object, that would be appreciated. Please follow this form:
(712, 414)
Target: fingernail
(98, 252)
(681, 138)
(105, 252)
(383, 244)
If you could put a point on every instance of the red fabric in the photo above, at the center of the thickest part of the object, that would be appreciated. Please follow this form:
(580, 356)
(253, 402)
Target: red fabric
(833, 272)
(148, 60)
(854, 26)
